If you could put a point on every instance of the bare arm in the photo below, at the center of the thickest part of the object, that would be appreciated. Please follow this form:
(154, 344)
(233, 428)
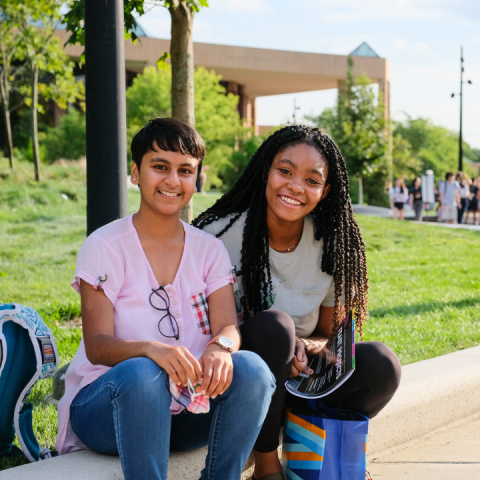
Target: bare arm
(216, 362)
(102, 348)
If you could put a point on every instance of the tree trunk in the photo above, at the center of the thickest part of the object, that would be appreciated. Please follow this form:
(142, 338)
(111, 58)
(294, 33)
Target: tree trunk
(35, 148)
(5, 96)
(360, 190)
(181, 52)
(8, 132)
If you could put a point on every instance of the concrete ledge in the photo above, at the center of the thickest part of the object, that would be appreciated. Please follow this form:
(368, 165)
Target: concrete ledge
(432, 393)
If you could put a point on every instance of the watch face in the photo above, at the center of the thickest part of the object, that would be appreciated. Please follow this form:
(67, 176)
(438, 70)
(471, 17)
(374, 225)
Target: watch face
(225, 342)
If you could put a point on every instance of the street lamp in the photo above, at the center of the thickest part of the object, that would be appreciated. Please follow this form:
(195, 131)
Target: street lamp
(460, 141)
(295, 108)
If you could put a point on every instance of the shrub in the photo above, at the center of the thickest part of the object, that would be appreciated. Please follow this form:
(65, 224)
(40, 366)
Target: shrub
(68, 139)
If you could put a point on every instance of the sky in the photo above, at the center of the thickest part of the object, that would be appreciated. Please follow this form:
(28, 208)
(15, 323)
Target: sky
(420, 38)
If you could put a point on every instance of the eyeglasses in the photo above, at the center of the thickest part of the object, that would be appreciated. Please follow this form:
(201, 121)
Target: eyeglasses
(160, 301)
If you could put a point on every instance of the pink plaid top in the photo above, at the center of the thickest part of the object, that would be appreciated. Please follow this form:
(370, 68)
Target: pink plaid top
(115, 252)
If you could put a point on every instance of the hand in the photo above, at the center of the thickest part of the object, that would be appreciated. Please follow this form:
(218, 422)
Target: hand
(217, 368)
(300, 360)
(178, 362)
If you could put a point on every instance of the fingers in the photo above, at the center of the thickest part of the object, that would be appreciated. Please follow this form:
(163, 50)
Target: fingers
(221, 383)
(301, 366)
(179, 363)
(225, 379)
(207, 376)
(217, 374)
(294, 372)
(196, 367)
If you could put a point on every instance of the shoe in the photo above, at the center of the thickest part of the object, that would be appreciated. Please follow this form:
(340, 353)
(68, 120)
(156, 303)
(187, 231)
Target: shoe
(367, 475)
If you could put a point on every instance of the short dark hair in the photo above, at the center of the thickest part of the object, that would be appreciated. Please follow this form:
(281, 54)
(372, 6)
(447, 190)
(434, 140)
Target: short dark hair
(448, 175)
(170, 135)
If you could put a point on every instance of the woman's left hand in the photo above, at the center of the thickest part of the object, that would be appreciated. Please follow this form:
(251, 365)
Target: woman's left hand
(300, 360)
(217, 369)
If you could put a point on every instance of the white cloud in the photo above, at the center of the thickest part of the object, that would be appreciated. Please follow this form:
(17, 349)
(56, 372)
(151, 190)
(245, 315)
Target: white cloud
(241, 6)
(422, 47)
(342, 11)
(399, 43)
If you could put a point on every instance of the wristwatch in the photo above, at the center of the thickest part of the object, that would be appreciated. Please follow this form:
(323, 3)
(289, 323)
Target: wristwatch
(223, 342)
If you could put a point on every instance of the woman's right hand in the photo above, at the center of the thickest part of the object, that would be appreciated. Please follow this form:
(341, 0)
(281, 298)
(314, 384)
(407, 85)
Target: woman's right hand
(300, 360)
(177, 361)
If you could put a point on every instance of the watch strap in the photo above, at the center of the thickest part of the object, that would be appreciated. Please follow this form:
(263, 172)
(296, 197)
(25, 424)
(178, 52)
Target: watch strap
(215, 340)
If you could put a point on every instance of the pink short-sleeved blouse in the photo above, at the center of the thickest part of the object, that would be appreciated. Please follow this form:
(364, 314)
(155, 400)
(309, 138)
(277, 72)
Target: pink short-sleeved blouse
(115, 251)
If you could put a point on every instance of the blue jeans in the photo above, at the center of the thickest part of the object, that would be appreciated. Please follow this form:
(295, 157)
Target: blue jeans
(126, 412)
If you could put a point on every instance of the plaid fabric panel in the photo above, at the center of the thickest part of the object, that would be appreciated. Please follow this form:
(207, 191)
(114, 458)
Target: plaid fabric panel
(200, 310)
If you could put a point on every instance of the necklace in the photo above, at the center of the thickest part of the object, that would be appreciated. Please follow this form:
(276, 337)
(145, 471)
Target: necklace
(291, 248)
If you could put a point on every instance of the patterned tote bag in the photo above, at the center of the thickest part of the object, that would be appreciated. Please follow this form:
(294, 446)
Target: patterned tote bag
(329, 445)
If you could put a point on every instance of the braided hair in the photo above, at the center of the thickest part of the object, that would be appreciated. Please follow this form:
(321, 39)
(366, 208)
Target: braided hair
(343, 249)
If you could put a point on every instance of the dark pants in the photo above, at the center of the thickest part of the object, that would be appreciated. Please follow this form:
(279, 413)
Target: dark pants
(271, 334)
(461, 211)
(418, 207)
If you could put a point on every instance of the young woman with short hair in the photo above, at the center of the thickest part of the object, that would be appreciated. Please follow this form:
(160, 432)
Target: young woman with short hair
(158, 311)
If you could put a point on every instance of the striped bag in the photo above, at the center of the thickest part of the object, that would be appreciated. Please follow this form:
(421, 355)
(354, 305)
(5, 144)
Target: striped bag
(325, 447)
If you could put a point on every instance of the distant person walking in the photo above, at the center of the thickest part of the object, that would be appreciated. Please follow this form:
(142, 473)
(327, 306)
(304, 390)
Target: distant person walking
(464, 181)
(474, 204)
(416, 202)
(450, 198)
(398, 198)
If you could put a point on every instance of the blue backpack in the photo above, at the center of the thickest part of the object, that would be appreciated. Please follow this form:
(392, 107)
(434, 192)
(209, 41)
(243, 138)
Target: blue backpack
(27, 353)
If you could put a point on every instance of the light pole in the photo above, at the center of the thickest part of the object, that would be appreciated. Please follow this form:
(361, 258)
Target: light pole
(295, 108)
(106, 117)
(460, 139)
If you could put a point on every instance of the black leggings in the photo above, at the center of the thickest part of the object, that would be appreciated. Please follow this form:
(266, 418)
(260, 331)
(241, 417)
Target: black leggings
(271, 334)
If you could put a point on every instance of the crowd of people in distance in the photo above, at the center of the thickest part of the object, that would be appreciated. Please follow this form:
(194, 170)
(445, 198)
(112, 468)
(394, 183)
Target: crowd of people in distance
(457, 199)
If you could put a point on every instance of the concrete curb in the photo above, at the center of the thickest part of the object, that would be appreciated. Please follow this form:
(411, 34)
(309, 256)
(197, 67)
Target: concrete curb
(432, 394)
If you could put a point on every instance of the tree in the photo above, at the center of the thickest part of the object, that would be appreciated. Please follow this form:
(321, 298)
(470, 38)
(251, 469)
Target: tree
(217, 119)
(182, 13)
(44, 55)
(12, 68)
(357, 124)
(431, 147)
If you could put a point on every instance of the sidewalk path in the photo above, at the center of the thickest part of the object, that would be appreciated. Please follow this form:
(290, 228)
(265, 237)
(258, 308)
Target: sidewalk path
(383, 212)
(450, 453)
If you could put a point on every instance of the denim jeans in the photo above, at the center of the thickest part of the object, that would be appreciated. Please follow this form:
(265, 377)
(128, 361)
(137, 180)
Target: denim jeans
(126, 412)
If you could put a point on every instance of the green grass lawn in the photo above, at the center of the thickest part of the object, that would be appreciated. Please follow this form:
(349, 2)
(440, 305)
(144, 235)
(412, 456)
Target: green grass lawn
(424, 280)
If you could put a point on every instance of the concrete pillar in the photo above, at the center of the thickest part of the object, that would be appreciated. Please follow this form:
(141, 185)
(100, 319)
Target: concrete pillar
(250, 113)
(384, 86)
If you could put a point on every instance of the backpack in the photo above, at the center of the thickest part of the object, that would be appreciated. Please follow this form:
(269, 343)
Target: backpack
(27, 353)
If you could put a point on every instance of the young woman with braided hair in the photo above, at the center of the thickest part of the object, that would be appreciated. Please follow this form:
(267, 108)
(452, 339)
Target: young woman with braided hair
(290, 231)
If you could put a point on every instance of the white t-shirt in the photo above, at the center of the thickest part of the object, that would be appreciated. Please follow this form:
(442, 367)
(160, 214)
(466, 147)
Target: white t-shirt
(299, 285)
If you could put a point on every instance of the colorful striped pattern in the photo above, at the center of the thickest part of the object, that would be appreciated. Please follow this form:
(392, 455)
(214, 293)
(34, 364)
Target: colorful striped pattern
(303, 447)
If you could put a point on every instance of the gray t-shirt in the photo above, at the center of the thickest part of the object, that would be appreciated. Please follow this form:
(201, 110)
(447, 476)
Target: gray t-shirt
(449, 190)
(299, 285)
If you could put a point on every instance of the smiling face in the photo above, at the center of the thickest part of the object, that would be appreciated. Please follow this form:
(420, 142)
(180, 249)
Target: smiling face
(296, 182)
(166, 179)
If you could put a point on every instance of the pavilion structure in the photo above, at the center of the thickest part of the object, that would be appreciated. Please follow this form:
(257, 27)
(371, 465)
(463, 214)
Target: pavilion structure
(257, 72)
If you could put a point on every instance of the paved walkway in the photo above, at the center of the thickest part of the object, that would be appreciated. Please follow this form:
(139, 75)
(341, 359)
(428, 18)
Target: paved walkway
(383, 212)
(450, 453)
